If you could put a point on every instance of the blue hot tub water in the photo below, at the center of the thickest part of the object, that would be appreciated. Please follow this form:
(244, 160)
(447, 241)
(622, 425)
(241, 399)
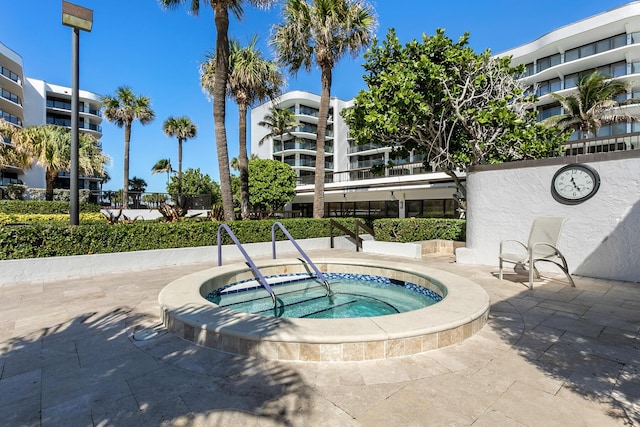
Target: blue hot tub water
(302, 296)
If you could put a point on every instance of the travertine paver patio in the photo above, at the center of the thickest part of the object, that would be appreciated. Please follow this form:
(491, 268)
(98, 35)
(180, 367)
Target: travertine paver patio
(554, 355)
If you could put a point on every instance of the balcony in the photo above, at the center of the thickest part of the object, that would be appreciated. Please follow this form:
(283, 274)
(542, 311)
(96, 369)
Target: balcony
(10, 75)
(60, 121)
(64, 105)
(364, 147)
(299, 145)
(603, 144)
(10, 97)
(311, 163)
(10, 118)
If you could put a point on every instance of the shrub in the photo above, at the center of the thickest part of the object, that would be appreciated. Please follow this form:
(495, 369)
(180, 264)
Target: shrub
(42, 207)
(53, 238)
(417, 229)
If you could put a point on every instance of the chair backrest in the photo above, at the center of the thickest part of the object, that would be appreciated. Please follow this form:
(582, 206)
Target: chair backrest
(546, 230)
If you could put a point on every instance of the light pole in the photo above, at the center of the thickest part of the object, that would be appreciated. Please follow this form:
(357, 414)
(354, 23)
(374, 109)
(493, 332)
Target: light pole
(78, 18)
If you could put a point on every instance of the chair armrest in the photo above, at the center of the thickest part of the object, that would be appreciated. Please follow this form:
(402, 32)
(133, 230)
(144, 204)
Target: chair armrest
(554, 250)
(502, 242)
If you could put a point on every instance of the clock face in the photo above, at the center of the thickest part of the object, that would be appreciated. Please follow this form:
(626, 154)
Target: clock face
(575, 183)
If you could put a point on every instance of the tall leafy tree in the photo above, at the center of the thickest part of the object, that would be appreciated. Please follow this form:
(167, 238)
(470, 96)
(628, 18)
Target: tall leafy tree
(182, 128)
(443, 100)
(195, 183)
(251, 79)
(322, 32)
(272, 184)
(123, 108)
(592, 105)
(279, 122)
(221, 10)
(50, 147)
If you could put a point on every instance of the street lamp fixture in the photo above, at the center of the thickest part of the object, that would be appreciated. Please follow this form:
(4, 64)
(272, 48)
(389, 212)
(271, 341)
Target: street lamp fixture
(78, 18)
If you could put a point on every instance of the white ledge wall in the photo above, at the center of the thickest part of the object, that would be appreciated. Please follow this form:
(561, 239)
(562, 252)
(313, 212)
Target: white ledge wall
(58, 268)
(600, 239)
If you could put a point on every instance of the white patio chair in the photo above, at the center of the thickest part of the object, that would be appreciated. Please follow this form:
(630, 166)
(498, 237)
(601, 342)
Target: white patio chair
(543, 238)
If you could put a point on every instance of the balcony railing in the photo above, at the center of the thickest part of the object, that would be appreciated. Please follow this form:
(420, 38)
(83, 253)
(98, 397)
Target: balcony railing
(63, 105)
(364, 147)
(11, 96)
(415, 168)
(277, 147)
(10, 118)
(603, 144)
(10, 75)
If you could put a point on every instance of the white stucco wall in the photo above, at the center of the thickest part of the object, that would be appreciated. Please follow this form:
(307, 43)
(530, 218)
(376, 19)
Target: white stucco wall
(602, 235)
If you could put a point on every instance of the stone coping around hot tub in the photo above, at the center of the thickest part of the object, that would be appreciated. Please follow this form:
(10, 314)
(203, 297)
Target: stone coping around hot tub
(462, 312)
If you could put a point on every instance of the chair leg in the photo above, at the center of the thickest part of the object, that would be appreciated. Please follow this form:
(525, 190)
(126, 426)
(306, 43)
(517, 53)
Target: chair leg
(531, 270)
(565, 268)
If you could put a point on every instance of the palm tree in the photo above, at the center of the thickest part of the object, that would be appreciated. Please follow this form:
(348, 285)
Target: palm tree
(221, 10)
(9, 155)
(50, 147)
(321, 32)
(251, 79)
(123, 108)
(182, 128)
(137, 187)
(591, 106)
(162, 165)
(280, 122)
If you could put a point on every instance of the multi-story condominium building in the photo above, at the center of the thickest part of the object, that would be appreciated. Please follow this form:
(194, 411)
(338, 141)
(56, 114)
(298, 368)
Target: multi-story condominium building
(11, 104)
(351, 189)
(51, 104)
(29, 102)
(608, 43)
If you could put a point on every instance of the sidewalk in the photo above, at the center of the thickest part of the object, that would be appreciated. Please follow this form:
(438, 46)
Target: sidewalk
(554, 355)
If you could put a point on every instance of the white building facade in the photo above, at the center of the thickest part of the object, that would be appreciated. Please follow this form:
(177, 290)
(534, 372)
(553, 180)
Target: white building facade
(609, 43)
(32, 102)
(351, 189)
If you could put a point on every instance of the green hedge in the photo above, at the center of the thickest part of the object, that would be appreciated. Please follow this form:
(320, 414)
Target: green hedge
(39, 239)
(417, 229)
(42, 207)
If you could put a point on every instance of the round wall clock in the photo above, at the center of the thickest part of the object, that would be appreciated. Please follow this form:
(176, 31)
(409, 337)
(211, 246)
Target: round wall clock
(575, 183)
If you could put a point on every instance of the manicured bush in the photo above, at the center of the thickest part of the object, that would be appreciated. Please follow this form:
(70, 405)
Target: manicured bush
(53, 238)
(417, 229)
(42, 207)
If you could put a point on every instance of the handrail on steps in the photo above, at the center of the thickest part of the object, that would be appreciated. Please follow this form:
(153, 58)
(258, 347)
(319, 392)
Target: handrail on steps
(297, 246)
(355, 236)
(250, 262)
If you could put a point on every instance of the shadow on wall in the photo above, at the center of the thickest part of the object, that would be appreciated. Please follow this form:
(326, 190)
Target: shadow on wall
(616, 257)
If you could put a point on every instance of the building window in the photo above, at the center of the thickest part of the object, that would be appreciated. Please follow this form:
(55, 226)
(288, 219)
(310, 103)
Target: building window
(548, 62)
(596, 47)
(549, 111)
(547, 86)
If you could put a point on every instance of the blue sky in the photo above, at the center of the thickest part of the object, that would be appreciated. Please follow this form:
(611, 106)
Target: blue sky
(157, 53)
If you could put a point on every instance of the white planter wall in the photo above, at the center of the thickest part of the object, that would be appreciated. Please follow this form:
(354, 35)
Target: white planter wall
(600, 239)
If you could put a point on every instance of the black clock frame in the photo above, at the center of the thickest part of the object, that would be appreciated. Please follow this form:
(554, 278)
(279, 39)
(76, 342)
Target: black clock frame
(591, 171)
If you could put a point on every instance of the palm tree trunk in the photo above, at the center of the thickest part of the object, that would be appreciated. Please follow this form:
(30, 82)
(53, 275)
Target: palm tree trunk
(125, 188)
(50, 177)
(325, 96)
(221, 18)
(243, 161)
(179, 167)
(282, 146)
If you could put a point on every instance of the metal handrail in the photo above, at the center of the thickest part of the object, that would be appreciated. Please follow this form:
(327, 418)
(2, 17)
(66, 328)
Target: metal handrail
(356, 236)
(297, 246)
(250, 262)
